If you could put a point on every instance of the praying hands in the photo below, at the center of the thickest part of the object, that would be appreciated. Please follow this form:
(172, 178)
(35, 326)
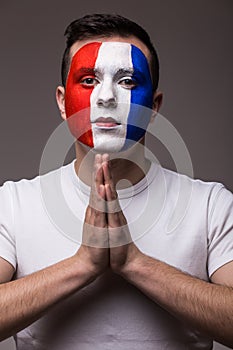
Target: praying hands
(106, 238)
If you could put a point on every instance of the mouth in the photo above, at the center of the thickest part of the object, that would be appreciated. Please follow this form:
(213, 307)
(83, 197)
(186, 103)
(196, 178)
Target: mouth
(106, 123)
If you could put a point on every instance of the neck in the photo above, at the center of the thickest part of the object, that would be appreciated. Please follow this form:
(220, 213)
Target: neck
(127, 167)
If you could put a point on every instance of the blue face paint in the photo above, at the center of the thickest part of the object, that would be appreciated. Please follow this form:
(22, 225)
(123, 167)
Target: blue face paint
(141, 95)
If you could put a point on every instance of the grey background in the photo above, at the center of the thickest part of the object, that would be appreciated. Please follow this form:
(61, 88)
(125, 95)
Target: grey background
(195, 47)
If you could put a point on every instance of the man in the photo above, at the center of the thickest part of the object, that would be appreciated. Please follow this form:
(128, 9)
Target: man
(130, 283)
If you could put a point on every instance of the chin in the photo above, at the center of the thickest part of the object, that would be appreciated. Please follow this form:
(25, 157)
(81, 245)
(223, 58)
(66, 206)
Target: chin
(107, 143)
(104, 148)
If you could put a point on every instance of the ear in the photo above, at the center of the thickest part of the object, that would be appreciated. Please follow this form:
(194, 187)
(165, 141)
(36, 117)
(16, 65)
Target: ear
(60, 97)
(157, 102)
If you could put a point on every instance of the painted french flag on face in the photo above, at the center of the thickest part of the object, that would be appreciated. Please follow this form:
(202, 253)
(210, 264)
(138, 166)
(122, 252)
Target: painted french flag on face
(109, 82)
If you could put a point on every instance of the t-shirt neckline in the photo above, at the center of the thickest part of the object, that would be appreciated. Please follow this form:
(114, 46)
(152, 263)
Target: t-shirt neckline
(122, 193)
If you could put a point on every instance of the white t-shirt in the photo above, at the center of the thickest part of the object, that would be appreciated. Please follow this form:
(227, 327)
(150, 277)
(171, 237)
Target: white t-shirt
(184, 222)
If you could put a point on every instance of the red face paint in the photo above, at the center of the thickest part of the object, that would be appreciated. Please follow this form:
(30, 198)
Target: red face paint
(77, 96)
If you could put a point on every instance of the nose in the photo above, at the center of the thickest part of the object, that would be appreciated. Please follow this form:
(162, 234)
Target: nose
(107, 95)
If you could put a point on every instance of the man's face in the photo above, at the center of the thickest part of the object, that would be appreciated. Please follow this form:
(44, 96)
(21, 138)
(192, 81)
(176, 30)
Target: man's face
(108, 80)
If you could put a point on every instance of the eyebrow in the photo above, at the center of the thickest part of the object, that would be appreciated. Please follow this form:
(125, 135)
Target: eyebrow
(130, 71)
(120, 72)
(86, 70)
(124, 71)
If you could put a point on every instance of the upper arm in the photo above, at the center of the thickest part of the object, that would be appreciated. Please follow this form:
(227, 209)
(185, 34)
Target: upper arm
(220, 235)
(8, 258)
(224, 275)
(6, 271)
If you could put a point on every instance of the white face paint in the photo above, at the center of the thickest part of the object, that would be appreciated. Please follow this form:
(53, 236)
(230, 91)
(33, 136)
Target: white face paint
(111, 97)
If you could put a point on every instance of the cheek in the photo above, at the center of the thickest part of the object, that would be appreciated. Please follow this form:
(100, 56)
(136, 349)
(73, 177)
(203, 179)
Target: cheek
(140, 113)
(77, 106)
(77, 98)
(143, 95)
(141, 98)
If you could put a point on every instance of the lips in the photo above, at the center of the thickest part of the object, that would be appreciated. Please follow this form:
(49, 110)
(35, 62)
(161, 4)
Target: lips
(106, 122)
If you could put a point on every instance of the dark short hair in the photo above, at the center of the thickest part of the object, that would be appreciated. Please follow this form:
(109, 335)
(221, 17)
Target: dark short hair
(106, 25)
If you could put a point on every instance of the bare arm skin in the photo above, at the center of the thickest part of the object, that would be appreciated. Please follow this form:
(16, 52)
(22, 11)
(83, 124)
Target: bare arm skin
(25, 300)
(205, 306)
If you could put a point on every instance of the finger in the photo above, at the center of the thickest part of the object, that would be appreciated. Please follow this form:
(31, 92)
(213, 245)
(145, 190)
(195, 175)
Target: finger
(105, 157)
(88, 214)
(98, 171)
(102, 194)
(97, 174)
(108, 179)
(97, 191)
(98, 194)
(113, 207)
(111, 195)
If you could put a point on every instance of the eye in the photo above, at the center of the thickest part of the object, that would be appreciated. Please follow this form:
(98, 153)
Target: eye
(128, 83)
(89, 81)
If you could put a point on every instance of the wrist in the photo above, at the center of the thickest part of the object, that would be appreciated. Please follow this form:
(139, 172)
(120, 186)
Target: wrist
(82, 270)
(132, 265)
(86, 268)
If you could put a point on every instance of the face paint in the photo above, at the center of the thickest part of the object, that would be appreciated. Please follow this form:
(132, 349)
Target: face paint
(77, 96)
(113, 79)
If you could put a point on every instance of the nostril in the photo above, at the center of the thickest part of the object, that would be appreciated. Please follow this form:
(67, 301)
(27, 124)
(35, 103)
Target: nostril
(111, 102)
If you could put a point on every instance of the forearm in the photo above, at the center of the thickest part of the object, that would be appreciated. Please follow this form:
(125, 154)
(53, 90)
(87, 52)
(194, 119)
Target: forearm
(25, 300)
(205, 306)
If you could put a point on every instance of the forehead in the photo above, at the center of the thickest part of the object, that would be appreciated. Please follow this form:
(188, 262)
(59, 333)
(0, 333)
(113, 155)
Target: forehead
(109, 57)
(129, 40)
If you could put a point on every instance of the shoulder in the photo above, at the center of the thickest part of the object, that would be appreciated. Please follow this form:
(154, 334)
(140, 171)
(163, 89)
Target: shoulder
(25, 188)
(198, 187)
(189, 197)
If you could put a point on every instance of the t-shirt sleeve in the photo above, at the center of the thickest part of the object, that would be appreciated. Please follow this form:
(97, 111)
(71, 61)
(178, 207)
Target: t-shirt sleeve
(220, 230)
(7, 239)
